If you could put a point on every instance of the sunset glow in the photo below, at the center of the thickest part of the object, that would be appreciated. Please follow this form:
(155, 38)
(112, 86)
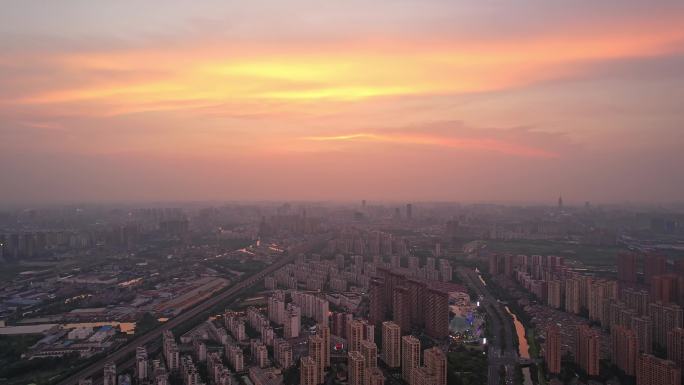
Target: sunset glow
(270, 92)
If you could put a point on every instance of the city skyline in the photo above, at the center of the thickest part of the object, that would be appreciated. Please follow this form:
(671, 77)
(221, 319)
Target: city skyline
(405, 101)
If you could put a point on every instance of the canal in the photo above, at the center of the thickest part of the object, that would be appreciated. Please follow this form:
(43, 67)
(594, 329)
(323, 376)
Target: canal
(523, 347)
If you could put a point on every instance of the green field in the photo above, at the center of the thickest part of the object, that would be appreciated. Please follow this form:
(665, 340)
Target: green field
(587, 254)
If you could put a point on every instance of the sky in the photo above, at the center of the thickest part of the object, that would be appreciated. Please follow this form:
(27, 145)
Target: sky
(407, 100)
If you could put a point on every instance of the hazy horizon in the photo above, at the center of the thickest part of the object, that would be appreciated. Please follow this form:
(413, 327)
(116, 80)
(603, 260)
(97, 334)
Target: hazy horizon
(406, 101)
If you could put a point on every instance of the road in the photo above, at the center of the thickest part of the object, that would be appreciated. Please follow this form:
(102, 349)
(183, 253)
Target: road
(96, 368)
(498, 356)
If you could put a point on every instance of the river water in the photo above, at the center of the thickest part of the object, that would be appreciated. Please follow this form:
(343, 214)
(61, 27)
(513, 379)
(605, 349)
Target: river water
(523, 347)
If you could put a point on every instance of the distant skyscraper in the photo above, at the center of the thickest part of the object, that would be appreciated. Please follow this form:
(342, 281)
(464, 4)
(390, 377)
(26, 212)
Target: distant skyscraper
(655, 371)
(391, 344)
(560, 201)
(627, 272)
(552, 351)
(410, 357)
(409, 211)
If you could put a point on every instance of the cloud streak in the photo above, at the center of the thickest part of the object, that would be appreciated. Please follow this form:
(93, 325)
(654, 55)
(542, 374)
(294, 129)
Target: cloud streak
(468, 144)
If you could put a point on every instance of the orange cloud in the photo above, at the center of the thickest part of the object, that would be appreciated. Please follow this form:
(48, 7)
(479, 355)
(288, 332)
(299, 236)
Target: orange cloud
(204, 76)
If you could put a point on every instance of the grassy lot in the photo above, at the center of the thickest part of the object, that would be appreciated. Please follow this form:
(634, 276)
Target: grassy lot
(465, 367)
(532, 343)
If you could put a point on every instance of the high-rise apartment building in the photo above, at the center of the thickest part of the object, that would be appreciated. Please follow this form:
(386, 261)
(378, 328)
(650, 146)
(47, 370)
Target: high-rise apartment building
(436, 363)
(572, 295)
(624, 349)
(391, 344)
(627, 268)
(599, 291)
(308, 372)
(436, 311)
(282, 353)
(665, 288)
(141, 363)
(422, 376)
(552, 351)
(377, 307)
(316, 348)
(369, 351)
(324, 332)
(587, 349)
(355, 335)
(636, 299)
(554, 291)
(355, 369)
(416, 294)
(109, 376)
(665, 317)
(171, 351)
(276, 310)
(654, 264)
(401, 308)
(643, 329)
(376, 377)
(675, 346)
(293, 321)
(410, 357)
(340, 324)
(655, 371)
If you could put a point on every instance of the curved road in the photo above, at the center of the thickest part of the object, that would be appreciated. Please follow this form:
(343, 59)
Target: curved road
(95, 369)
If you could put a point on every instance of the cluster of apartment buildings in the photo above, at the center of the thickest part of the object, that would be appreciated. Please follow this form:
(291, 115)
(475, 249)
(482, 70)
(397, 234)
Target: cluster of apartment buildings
(409, 302)
(639, 316)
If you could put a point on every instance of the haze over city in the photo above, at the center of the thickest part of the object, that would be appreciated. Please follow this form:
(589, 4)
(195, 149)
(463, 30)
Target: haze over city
(389, 100)
(302, 192)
